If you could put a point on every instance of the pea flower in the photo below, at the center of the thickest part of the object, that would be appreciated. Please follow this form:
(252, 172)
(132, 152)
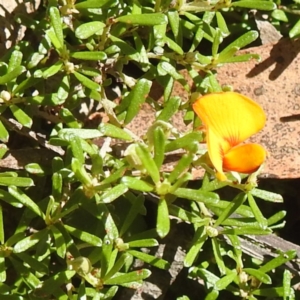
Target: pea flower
(229, 119)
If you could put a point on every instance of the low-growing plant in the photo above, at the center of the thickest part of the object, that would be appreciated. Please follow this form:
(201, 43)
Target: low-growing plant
(75, 219)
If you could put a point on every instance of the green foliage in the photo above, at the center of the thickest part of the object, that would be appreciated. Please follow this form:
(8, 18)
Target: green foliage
(73, 229)
(286, 17)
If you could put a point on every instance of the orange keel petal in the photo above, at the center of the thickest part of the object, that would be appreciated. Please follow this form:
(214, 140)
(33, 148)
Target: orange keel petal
(244, 158)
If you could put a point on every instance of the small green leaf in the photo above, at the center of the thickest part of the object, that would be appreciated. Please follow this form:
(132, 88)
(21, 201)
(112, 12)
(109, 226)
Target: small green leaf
(96, 4)
(30, 241)
(231, 208)
(8, 77)
(222, 283)
(281, 259)
(75, 143)
(68, 118)
(132, 103)
(3, 150)
(60, 244)
(126, 49)
(163, 220)
(81, 173)
(35, 169)
(295, 31)
(50, 34)
(35, 59)
(166, 68)
(88, 71)
(212, 295)
(262, 221)
(246, 230)
(159, 145)
(148, 162)
(270, 292)
(64, 89)
(217, 41)
(50, 71)
(111, 228)
(137, 184)
(57, 24)
(139, 45)
(2, 237)
(222, 24)
(128, 277)
(117, 266)
(209, 277)
(268, 196)
(236, 245)
(87, 82)
(241, 42)
(115, 176)
(3, 275)
(288, 291)
(113, 131)
(5, 196)
(170, 108)
(198, 241)
(276, 218)
(88, 29)
(21, 116)
(181, 167)
(185, 215)
(218, 256)
(150, 259)
(114, 193)
(15, 60)
(143, 19)
(106, 254)
(143, 243)
(174, 21)
(4, 135)
(85, 134)
(185, 142)
(258, 274)
(255, 4)
(197, 195)
(279, 15)
(84, 236)
(89, 55)
(172, 45)
(25, 200)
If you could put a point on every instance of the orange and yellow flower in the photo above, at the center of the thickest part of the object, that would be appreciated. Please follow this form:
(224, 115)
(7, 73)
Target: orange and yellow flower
(231, 118)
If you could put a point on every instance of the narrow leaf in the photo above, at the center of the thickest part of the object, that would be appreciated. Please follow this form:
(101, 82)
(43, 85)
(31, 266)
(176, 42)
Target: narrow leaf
(143, 19)
(163, 220)
(231, 208)
(25, 200)
(21, 116)
(258, 274)
(30, 241)
(89, 55)
(57, 24)
(150, 259)
(128, 277)
(148, 162)
(196, 195)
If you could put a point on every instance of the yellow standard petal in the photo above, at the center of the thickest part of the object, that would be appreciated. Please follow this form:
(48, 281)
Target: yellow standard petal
(230, 118)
